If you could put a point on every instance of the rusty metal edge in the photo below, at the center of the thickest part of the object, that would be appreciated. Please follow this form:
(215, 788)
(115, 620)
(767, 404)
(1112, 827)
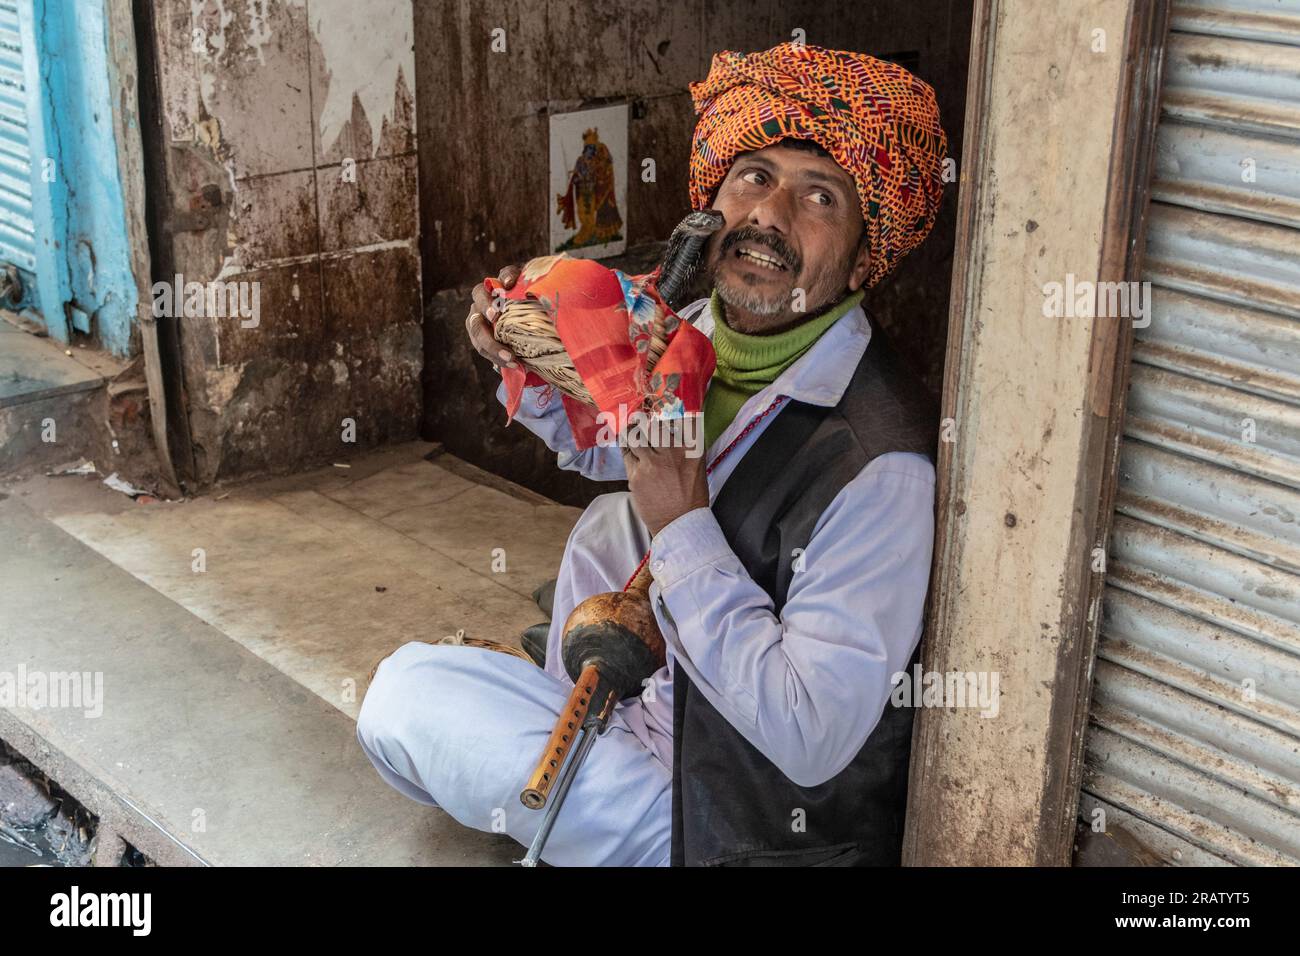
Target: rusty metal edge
(1123, 245)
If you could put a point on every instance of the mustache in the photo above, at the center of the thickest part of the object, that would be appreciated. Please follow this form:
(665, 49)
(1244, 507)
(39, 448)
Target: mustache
(775, 243)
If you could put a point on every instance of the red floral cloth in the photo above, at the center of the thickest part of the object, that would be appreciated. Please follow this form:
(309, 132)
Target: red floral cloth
(605, 319)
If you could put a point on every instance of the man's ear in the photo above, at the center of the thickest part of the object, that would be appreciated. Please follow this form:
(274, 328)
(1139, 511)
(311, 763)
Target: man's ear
(861, 264)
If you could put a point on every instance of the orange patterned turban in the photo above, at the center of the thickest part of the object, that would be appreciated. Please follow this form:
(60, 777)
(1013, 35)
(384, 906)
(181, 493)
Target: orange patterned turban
(878, 121)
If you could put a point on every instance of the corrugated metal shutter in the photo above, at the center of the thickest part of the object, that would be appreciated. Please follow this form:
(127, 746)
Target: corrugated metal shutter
(1194, 739)
(17, 226)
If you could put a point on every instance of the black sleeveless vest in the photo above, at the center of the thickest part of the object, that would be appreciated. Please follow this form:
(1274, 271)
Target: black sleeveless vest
(731, 805)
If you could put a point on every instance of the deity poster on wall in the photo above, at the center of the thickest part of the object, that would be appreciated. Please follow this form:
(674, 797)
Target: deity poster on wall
(589, 181)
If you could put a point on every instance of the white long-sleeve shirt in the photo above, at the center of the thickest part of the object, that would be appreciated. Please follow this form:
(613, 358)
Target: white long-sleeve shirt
(807, 687)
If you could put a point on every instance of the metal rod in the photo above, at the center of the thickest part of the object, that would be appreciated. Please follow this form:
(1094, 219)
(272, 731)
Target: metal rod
(591, 729)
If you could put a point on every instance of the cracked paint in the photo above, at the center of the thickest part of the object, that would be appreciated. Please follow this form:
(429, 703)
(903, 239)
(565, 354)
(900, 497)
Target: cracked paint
(362, 63)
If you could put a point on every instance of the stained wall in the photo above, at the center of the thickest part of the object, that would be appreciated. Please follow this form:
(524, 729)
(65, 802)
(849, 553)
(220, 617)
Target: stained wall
(288, 142)
(485, 195)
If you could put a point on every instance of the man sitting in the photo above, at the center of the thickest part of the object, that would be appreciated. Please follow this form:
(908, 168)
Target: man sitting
(790, 562)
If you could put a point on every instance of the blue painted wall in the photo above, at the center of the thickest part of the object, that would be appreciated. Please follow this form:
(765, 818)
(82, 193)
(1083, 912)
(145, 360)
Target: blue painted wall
(86, 281)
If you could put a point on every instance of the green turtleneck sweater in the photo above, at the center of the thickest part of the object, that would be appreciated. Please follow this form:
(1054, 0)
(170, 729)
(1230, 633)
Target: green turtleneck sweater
(747, 363)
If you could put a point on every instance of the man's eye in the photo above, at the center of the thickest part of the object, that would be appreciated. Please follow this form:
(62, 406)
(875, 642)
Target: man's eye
(754, 172)
(830, 200)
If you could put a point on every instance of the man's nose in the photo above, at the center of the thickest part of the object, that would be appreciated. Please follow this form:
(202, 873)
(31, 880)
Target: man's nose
(773, 212)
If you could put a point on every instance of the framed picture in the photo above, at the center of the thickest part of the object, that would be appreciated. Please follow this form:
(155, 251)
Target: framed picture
(589, 182)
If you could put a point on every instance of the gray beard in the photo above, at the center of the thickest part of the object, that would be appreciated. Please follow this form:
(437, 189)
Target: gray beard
(750, 300)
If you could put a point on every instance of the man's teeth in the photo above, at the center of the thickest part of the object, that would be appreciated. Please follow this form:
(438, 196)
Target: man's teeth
(763, 260)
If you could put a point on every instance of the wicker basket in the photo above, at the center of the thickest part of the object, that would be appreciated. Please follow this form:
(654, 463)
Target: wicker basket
(460, 640)
(527, 328)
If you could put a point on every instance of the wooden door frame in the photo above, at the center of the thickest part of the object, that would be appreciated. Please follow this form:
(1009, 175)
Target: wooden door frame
(1006, 792)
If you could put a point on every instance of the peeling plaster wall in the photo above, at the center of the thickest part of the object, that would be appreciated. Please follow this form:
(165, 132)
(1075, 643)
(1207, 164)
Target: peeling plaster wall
(290, 162)
(484, 176)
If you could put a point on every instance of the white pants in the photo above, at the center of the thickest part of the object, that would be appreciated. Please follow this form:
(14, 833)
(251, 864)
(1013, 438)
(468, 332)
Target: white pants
(462, 728)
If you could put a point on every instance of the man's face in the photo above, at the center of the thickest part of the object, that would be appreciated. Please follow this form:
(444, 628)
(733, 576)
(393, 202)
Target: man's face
(799, 209)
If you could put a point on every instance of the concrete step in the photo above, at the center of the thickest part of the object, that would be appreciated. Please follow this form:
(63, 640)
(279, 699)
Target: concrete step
(324, 573)
(227, 731)
(54, 405)
(203, 752)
